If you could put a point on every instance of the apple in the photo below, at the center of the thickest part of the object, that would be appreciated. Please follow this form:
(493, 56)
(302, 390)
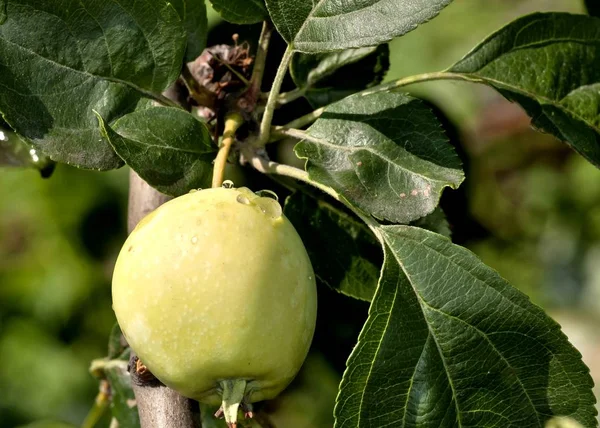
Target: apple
(216, 294)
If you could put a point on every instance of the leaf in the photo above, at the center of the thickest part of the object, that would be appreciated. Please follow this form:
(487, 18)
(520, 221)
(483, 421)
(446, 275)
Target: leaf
(384, 152)
(3, 15)
(549, 63)
(593, 7)
(332, 76)
(122, 405)
(170, 149)
(434, 222)
(344, 253)
(329, 25)
(59, 60)
(241, 11)
(195, 22)
(450, 343)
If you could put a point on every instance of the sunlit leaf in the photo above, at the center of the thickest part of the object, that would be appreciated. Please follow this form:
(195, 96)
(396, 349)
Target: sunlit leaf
(549, 63)
(328, 25)
(385, 153)
(450, 343)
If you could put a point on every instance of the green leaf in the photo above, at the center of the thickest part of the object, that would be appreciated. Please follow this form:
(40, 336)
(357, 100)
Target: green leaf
(450, 343)
(344, 253)
(329, 25)
(332, 76)
(549, 63)
(241, 11)
(195, 22)
(62, 59)
(170, 149)
(434, 222)
(122, 405)
(3, 15)
(384, 152)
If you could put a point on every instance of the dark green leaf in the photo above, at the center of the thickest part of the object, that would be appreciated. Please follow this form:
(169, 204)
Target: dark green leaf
(241, 11)
(384, 152)
(550, 64)
(593, 7)
(3, 11)
(195, 22)
(449, 343)
(62, 59)
(332, 76)
(329, 25)
(344, 253)
(170, 149)
(122, 405)
(435, 222)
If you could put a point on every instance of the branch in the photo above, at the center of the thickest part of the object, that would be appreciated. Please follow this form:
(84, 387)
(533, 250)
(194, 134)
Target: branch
(158, 406)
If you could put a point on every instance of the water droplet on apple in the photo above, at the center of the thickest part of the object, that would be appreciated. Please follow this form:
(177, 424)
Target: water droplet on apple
(268, 194)
(269, 207)
(242, 199)
(228, 184)
(194, 239)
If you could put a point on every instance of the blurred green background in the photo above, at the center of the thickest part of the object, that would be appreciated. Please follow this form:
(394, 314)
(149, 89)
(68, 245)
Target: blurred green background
(530, 209)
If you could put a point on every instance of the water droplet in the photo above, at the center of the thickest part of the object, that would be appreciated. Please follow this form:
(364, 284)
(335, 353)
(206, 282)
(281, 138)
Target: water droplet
(268, 194)
(194, 239)
(228, 184)
(193, 191)
(242, 199)
(269, 207)
(34, 155)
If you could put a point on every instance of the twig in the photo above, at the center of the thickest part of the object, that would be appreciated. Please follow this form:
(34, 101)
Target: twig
(261, 58)
(265, 125)
(266, 166)
(232, 122)
(293, 95)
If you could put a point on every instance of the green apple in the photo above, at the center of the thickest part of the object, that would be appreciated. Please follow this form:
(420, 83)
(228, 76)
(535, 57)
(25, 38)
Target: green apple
(216, 294)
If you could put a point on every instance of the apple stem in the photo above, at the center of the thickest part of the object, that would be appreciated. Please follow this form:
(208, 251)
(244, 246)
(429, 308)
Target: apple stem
(233, 395)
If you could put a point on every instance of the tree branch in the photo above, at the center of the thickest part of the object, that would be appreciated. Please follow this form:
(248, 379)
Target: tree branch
(158, 406)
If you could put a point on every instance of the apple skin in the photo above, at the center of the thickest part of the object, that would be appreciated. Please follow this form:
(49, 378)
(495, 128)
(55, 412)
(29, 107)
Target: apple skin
(216, 285)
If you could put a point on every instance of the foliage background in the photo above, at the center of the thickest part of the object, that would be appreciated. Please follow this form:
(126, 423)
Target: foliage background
(533, 213)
